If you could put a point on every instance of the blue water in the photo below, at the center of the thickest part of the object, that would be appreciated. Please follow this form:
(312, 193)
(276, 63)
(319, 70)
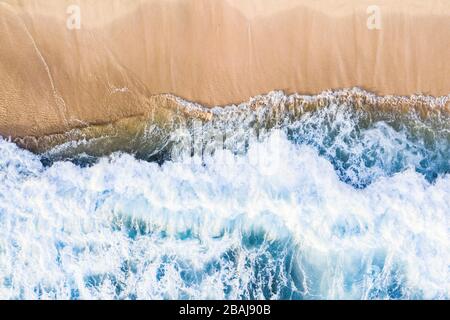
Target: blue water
(333, 204)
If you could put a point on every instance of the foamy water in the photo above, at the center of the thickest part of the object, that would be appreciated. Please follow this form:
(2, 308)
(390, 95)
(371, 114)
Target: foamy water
(334, 204)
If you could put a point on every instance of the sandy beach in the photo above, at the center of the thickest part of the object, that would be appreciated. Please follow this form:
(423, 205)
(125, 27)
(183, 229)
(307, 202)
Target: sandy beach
(53, 78)
(225, 150)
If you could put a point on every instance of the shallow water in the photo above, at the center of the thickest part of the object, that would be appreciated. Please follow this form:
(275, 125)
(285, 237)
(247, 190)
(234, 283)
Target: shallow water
(330, 204)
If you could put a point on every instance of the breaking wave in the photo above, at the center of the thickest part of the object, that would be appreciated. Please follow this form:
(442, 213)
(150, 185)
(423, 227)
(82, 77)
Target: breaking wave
(264, 202)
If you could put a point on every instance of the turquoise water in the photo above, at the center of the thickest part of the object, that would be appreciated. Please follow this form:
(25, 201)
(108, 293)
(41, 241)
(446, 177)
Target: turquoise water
(332, 204)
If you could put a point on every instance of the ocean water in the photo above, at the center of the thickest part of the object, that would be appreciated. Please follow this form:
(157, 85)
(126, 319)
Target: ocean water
(336, 203)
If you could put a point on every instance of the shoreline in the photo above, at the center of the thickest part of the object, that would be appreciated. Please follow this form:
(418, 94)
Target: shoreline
(165, 110)
(215, 53)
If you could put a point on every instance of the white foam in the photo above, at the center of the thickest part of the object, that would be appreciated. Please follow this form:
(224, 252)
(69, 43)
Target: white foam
(125, 228)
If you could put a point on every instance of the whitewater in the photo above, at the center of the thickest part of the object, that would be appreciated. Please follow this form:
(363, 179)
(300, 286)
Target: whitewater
(336, 203)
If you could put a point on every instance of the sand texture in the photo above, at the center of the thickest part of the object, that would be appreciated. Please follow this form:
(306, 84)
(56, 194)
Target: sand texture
(213, 52)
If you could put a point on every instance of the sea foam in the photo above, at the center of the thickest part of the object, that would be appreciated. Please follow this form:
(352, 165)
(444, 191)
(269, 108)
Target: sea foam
(323, 198)
(281, 220)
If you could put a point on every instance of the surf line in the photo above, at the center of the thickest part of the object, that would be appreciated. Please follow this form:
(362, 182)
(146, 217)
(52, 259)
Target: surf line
(196, 311)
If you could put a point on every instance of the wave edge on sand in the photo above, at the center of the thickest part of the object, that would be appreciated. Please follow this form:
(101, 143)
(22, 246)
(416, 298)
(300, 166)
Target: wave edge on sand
(166, 109)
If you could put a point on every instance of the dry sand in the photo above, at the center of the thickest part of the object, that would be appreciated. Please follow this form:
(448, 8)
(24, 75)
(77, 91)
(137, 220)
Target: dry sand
(214, 52)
